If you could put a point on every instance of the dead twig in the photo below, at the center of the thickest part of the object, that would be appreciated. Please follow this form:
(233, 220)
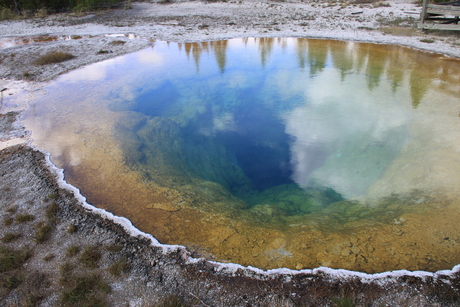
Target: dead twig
(198, 299)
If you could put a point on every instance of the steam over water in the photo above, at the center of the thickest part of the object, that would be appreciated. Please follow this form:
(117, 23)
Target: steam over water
(269, 152)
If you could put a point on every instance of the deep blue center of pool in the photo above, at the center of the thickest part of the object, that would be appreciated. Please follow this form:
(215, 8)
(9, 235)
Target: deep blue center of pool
(295, 128)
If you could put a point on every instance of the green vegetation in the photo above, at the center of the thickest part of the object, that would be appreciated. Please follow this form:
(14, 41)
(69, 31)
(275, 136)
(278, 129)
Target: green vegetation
(121, 266)
(114, 248)
(72, 229)
(85, 291)
(72, 250)
(32, 300)
(172, 301)
(117, 42)
(10, 236)
(343, 302)
(43, 232)
(427, 40)
(22, 218)
(53, 58)
(12, 209)
(49, 257)
(53, 195)
(10, 281)
(51, 212)
(90, 257)
(66, 273)
(11, 259)
(10, 9)
(8, 221)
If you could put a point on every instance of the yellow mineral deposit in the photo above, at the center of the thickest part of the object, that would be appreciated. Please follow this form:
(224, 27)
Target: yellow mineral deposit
(424, 235)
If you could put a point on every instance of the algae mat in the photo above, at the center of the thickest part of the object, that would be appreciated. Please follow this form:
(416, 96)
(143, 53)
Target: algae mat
(269, 152)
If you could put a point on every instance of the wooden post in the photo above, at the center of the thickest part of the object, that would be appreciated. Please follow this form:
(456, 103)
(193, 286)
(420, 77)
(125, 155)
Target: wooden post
(423, 14)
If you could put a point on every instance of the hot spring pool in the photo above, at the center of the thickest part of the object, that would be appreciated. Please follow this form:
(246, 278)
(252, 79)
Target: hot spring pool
(269, 152)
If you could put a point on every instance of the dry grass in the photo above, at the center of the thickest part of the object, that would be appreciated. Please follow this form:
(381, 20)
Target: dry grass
(398, 31)
(85, 291)
(6, 14)
(72, 229)
(117, 42)
(114, 248)
(12, 209)
(23, 218)
(53, 58)
(43, 232)
(10, 236)
(90, 257)
(51, 212)
(72, 250)
(11, 259)
(121, 266)
(7, 221)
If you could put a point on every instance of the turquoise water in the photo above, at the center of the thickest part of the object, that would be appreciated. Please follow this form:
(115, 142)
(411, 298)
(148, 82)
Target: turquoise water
(289, 126)
(269, 152)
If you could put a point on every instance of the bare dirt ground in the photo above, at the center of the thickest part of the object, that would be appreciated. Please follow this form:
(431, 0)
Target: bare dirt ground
(55, 250)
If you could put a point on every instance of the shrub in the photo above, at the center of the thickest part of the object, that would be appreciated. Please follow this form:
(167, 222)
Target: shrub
(53, 58)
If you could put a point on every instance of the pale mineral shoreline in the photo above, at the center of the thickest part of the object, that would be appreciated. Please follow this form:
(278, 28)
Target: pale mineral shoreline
(196, 282)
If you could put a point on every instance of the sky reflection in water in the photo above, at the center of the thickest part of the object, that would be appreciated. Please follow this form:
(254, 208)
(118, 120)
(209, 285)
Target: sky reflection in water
(285, 112)
(262, 146)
